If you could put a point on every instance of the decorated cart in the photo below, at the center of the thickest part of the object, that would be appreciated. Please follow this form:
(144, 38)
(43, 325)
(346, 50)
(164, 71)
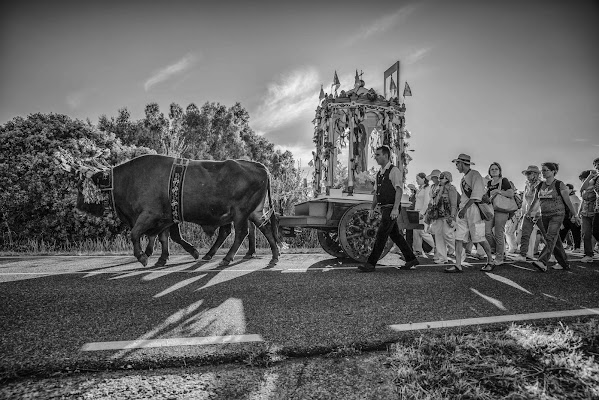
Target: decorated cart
(360, 120)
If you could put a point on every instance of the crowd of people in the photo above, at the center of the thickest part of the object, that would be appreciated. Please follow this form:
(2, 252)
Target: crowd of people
(488, 213)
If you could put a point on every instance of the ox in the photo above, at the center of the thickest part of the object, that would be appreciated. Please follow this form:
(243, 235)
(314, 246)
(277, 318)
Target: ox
(215, 194)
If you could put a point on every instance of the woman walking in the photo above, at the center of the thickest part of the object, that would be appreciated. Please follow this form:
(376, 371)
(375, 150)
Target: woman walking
(587, 213)
(592, 183)
(495, 228)
(422, 200)
(444, 206)
(554, 197)
(570, 229)
(531, 216)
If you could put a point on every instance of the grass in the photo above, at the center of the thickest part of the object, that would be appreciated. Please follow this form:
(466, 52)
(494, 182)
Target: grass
(521, 362)
(305, 241)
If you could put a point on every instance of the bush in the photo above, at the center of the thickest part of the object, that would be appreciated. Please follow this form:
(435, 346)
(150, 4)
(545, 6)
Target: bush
(38, 198)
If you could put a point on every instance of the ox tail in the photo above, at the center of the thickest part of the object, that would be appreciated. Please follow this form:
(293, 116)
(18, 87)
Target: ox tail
(274, 220)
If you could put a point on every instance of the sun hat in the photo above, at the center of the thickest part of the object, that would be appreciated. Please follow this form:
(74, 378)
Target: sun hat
(447, 176)
(435, 172)
(531, 168)
(465, 158)
(411, 186)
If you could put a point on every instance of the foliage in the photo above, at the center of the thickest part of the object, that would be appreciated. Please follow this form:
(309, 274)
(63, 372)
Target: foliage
(37, 202)
(38, 198)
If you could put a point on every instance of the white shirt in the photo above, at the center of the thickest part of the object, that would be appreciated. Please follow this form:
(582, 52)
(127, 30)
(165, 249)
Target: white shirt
(394, 176)
(423, 197)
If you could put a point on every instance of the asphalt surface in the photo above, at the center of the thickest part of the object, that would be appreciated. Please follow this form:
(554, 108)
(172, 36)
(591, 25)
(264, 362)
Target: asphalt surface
(55, 308)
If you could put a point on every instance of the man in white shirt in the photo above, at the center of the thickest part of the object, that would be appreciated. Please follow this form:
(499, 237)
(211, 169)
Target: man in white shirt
(388, 198)
(469, 224)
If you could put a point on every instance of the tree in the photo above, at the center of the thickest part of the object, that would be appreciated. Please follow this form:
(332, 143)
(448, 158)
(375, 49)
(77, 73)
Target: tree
(38, 198)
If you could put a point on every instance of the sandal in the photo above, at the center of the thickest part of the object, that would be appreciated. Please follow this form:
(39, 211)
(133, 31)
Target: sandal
(488, 267)
(453, 270)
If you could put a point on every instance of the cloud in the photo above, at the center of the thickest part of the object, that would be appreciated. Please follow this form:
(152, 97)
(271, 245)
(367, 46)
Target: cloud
(171, 70)
(417, 55)
(294, 95)
(380, 25)
(75, 99)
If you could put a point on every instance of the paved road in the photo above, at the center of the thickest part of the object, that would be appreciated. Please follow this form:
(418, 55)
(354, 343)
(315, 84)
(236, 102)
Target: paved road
(95, 312)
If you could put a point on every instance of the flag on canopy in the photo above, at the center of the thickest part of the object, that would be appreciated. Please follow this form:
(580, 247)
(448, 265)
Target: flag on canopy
(321, 95)
(336, 81)
(393, 86)
(357, 79)
(407, 91)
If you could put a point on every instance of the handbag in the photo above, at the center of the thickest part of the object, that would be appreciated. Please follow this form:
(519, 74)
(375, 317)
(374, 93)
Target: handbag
(504, 204)
(486, 211)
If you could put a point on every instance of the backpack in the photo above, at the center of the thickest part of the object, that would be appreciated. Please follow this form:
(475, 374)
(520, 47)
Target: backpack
(517, 195)
(557, 183)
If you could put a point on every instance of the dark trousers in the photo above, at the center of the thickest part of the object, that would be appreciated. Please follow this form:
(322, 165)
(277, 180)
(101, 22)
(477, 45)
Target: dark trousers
(388, 229)
(527, 228)
(569, 226)
(590, 229)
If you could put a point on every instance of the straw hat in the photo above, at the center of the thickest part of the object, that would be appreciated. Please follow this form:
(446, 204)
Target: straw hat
(465, 158)
(531, 168)
(435, 172)
(447, 176)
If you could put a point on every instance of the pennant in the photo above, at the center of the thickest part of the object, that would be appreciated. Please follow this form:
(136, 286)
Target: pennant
(321, 95)
(357, 79)
(407, 91)
(393, 86)
(336, 81)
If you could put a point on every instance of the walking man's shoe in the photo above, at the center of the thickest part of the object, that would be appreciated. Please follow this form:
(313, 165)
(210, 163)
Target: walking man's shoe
(587, 259)
(366, 267)
(410, 264)
(519, 258)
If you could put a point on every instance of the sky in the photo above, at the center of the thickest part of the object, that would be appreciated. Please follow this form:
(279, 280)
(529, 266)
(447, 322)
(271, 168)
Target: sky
(508, 81)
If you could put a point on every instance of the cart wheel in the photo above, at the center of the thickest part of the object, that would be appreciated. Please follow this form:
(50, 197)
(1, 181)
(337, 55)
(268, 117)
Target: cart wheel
(357, 234)
(329, 241)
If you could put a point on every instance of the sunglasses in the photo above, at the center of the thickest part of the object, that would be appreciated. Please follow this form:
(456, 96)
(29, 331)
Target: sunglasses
(530, 172)
(441, 176)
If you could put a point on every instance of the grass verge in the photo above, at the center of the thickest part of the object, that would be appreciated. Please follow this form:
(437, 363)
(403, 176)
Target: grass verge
(555, 361)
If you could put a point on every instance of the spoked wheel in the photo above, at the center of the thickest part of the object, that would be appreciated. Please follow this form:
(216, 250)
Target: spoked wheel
(329, 241)
(357, 233)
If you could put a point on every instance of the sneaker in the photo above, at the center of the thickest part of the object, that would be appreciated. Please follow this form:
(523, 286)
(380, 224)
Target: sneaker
(463, 256)
(519, 258)
(539, 265)
(587, 259)
(557, 266)
(498, 261)
(440, 261)
(410, 264)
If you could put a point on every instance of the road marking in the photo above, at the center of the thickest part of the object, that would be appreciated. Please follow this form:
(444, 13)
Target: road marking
(190, 341)
(518, 266)
(493, 320)
(507, 282)
(492, 300)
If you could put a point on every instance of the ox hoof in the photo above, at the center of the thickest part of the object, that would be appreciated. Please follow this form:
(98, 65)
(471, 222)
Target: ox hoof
(143, 259)
(273, 262)
(160, 263)
(249, 256)
(224, 263)
(207, 257)
(195, 254)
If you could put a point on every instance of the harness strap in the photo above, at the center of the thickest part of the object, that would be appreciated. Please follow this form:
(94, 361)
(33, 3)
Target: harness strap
(106, 185)
(176, 182)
